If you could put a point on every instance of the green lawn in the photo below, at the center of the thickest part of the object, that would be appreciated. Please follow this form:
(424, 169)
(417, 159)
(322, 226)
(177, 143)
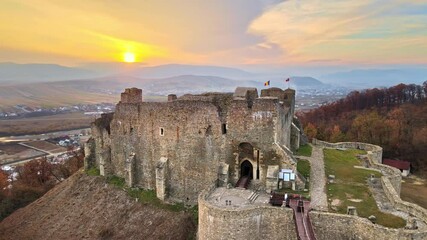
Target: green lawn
(351, 184)
(304, 150)
(303, 167)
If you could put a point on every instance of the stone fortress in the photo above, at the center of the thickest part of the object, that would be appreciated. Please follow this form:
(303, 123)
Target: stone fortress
(196, 148)
(187, 144)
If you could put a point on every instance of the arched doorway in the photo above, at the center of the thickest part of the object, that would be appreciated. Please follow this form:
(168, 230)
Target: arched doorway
(246, 169)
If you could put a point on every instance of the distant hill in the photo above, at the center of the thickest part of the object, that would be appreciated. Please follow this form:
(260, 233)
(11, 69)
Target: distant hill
(85, 207)
(28, 73)
(107, 89)
(50, 95)
(171, 70)
(193, 84)
(307, 82)
(369, 78)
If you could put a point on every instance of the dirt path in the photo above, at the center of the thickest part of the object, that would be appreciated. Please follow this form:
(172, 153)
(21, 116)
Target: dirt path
(317, 179)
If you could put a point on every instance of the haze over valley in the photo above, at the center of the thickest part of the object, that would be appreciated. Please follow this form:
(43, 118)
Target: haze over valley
(49, 85)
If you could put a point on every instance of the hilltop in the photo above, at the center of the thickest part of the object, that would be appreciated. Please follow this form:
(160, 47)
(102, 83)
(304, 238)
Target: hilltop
(86, 207)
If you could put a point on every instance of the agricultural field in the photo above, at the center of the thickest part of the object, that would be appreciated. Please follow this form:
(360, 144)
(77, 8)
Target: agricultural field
(46, 146)
(45, 124)
(12, 152)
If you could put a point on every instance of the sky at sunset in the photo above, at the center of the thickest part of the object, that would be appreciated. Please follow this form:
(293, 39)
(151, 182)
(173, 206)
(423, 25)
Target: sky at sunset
(217, 32)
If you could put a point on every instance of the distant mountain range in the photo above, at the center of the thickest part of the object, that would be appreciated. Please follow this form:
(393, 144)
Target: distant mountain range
(28, 73)
(355, 79)
(107, 89)
(171, 70)
(369, 78)
(50, 84)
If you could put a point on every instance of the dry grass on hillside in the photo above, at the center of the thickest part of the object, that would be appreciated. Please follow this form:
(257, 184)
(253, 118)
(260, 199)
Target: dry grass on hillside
(414, 190)
(86, 207)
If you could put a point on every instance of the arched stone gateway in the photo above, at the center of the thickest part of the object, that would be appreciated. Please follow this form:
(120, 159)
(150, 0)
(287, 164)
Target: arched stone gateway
(246, 169)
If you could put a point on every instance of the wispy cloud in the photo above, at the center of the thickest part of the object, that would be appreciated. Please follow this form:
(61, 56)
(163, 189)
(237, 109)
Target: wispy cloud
(349, 30)
(270, 32)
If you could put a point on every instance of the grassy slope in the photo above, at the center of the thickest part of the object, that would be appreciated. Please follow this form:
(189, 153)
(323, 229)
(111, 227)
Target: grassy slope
(303, 167)
(304, 150)
(351, 183)
(415, 191)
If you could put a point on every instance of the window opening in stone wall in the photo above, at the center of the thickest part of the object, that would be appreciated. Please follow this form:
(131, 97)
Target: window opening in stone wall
(131, 130)
(208, 131)
(162, 132)
(224, 128)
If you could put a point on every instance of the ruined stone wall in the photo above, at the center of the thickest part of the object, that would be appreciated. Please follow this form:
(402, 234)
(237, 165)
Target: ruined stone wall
(290, 100)
(257, 125)
(391, 179)
(283, 126)
(257, 222)
(99, 144)
(90, 157)
(401, 205)
(187, 133)
(295, 137)
(337, 226)
(374, 155)
(131, 95)
(265, 222)
(197, 134)
(274, 92)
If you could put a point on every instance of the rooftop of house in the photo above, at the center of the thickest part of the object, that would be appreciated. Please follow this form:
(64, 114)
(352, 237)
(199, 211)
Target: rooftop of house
(402, 165)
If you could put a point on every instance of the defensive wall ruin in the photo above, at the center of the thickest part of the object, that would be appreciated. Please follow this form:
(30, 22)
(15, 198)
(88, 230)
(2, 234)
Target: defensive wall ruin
(391, 179)
(228, 223)
(251, 222)
(338, 226)
(195, 142)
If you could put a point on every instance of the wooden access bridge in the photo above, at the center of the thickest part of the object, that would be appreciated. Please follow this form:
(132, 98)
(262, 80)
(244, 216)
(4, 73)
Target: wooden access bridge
(301, 209)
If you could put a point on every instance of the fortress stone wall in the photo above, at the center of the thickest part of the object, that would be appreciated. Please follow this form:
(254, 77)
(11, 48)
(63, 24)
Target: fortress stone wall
(186, 144)
(391, 179)
(338, 226)
(374, 156)
(252, 222)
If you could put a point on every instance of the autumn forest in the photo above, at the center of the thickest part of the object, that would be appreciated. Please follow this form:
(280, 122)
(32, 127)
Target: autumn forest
(394, 118)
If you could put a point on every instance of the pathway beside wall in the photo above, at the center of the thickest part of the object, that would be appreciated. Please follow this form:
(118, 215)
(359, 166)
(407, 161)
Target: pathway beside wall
(317, 179)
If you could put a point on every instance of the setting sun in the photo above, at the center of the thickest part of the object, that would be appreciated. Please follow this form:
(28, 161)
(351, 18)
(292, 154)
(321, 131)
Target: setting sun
(129, 57)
